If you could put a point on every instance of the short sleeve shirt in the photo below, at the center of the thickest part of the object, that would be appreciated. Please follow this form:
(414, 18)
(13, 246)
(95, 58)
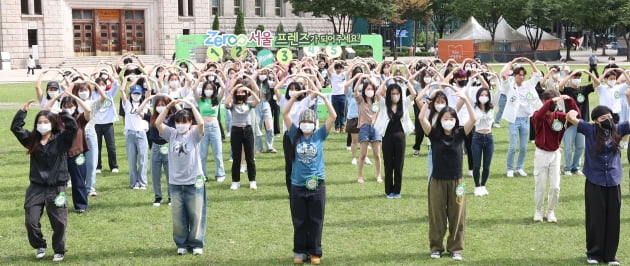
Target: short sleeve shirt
(184, 161)
(309, 156)
(447, 153)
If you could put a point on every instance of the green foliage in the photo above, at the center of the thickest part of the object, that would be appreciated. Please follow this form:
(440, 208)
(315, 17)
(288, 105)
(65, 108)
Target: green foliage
(215, 23)
(239, 27)
(299, 27)
(443, 16)
(280, 28)
(260, 27)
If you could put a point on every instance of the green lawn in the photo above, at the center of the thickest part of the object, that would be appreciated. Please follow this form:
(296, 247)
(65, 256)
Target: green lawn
(248, 227)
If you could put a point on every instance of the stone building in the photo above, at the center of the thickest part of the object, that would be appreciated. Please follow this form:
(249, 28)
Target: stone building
(52, 30)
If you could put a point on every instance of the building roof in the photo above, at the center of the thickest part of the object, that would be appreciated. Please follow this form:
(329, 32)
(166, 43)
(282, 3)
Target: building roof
(505, 32)
(471, 30)
(545, 36)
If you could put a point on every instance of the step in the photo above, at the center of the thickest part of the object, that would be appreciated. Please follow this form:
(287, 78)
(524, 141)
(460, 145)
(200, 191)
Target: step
(92, 61)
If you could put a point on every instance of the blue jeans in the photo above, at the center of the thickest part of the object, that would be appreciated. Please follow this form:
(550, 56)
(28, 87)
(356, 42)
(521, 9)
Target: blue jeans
(76, 168)
(502, 102)
(137, 151)
(482, 149)
(212, 137)
(188, 208)
(518, 130)
(90, 159)
(228, 119)
(159, 161)
(572, 139)
(263, 113)
(339, 103)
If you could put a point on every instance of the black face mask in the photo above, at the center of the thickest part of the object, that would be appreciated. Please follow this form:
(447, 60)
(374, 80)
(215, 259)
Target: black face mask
(607, 124)
(552, 107)
(462, 83)
(241, 97)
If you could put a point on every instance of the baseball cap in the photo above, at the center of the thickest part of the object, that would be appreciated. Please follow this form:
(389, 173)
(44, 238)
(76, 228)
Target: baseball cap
(52, 84)
(308, 115)
(136, 89)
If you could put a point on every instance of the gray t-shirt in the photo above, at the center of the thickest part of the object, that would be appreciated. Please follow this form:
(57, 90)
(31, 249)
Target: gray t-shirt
(240, 114)
(184, 161)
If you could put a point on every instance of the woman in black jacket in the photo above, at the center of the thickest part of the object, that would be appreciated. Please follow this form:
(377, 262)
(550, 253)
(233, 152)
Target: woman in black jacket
(47, 146)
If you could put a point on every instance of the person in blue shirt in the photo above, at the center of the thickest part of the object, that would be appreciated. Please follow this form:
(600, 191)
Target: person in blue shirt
(308, 191)
(602, 191)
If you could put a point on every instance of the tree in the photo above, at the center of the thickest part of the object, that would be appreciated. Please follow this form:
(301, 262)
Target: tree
(280, 28)
(576, 18)
(624, 26)
(215, 23)
(441, 15)
(340, 13)
(487, 12)
(539, 14)
(260, 27)
(416, 10)
(601, 16)
(299, 27)
(239, 27)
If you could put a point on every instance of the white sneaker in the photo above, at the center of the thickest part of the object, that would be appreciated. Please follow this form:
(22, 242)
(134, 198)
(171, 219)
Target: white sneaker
(551, 217)
(484, 191)
(221, 179)
(58, 257)
(510, 173)
(579, 172)
(181, 251)
(470, 173)
(590, 260)
(568, 173)
(69, 184)
(354, 161)
(40, 253)
(243, 168)
(348, 148)
(98, 171)
(497, 125)
(92, 193)
(235, 185)
(521, 172)
(457, 256)
(436, 255)
(538, 217)
(115, 170)
(197, 251)
(477, 192)
(252, 185)
(367, 161)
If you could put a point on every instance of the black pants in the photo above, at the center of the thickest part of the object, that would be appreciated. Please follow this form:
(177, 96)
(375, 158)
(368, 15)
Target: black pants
(38, 197)
(591, 69)
(242, 137)
(107, 131)
(393, 159)
(275, 113)
(468, 149)
(603, 205)
(288, 159)
(220, 125)
(78, 173)
(418, 129)
(307, 214)
(30, 70)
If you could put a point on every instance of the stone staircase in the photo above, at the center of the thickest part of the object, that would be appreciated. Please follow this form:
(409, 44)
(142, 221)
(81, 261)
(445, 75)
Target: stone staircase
(91, 61)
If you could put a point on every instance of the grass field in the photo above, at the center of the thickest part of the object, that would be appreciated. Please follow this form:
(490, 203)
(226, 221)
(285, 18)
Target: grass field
(247, 227)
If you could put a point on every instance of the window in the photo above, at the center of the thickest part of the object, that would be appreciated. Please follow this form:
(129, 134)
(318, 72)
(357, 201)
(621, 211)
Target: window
(186, 32)
(78, 14)
(180, 8)
(32, 38)
(238, 6)
(279, 8)
(259, 8)
(24, 4)
(216, 4)
(38, 7)
(191, 6)
(185, 7)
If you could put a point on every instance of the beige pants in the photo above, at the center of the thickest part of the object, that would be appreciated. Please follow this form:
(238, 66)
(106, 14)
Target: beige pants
(546, 166)
(446, 208)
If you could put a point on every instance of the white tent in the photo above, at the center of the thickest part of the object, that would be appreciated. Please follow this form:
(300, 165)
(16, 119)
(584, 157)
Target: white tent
(471, 30)
(547, 42)
(505, 32)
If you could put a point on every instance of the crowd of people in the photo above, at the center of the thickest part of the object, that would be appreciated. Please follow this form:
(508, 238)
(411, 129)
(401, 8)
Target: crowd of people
(173, 112)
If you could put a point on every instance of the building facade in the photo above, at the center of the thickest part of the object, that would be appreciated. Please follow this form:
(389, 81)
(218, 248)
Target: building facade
(52, 30)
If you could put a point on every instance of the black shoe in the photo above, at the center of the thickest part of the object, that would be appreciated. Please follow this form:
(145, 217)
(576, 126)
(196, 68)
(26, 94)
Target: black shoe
(80, 211)
(157, 202)
(169, 201)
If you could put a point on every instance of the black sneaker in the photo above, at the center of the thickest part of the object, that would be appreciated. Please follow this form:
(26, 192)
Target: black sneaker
(169, 201)
(416, 153)
(157, 202)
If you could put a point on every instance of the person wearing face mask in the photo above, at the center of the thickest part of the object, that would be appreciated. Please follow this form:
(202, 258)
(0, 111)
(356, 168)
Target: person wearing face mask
(186, 179)
(136, 143)
(447, 200)
(436, 101)
(76, 157)
(367, 102)
(424, 76)
(482, 140)
(48, 146)
(104, 120)
(209, 105)
(572, 140)
(352, 129)
(159, 146)
(522, 101)
(263, 111)
(549, 124)
(308, 189)
(302, 102)
(551, 81)
(610, 92)
(52, 89)
(470, 90)
(611, 63)
(602, 189)
(592, 65)
(337, 80)
(394, 123)
(242, 138)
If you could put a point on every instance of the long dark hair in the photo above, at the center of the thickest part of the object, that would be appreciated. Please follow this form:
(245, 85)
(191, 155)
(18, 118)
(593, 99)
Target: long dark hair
(213, 98)
(438, 125)
(365, 82)
(602, 138)
(297, 87)
(70, 100)
(487, 106)
(388, 101)
(432, 111)
(160, 99)
(34, 146)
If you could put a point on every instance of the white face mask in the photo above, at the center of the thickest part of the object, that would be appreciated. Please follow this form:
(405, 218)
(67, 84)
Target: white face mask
(53, 94)
(103, 87)
(262, 77)
(395, 98)
(159, 109)
(307, 127)
(210, 78)
(576, 82)
(448, 124)
(439, 107)
(556, 76)
(182, 128)
(611, 62)
(208, 93)
(511, 73)
(44, 128)
(84, 95)
(174, 83)
(611, 82)
(294, 70)
(483, 99)
(136, 97)
(70, 110)
(292, 93)
(369, 93)
(105, 77)
(427, 80)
